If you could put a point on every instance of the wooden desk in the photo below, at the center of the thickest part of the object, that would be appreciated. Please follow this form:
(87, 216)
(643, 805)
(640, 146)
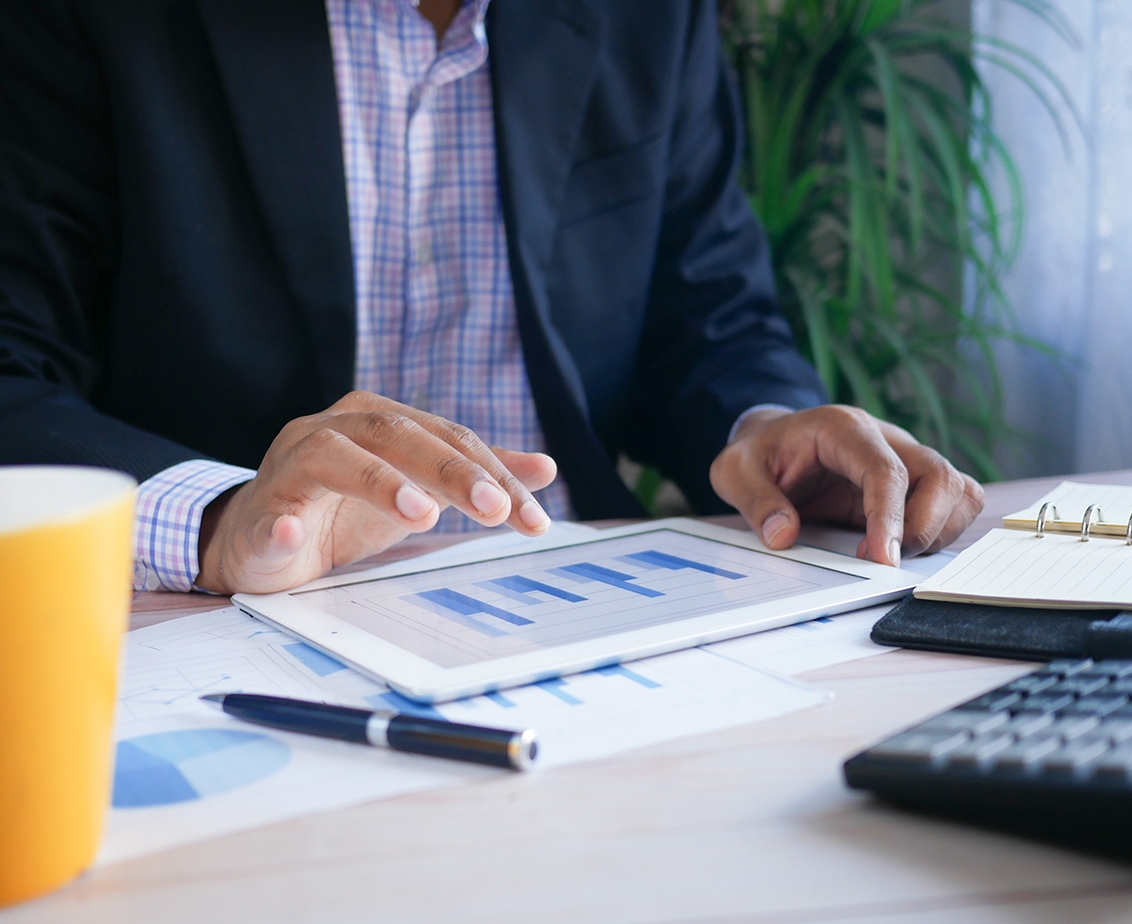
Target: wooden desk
(748, 825)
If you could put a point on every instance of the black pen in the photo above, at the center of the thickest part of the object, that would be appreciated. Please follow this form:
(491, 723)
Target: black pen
(437, 738)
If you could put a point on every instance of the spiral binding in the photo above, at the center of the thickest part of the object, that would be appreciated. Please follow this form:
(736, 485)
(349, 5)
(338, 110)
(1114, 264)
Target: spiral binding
(1087, 520)
(1048, 513)
(1047, 507)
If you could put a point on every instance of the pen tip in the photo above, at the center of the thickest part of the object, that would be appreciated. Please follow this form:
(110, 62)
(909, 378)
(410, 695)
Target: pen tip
(214, 698)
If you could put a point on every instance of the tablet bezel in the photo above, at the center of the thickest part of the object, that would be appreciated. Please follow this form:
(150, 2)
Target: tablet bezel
(424, 681)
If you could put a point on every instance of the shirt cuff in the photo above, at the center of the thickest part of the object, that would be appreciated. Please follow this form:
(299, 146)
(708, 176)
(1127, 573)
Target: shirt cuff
(749, 411)
(167, 524)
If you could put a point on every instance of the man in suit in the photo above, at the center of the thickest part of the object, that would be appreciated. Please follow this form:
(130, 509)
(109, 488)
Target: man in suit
(296, 264)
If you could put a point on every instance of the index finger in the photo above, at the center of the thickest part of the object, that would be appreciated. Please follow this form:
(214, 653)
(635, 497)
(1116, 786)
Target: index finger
(864, 457)
(524, 515)
(527, 515)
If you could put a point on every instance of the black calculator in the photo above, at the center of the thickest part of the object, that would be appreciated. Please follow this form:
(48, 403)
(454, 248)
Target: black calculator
(1048, 754)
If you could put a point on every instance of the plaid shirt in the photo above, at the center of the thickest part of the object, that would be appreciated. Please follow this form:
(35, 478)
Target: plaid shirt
(436, 326)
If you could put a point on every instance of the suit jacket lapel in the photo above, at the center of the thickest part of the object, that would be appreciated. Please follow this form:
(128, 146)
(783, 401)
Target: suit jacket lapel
(544, 57)
(276, 65)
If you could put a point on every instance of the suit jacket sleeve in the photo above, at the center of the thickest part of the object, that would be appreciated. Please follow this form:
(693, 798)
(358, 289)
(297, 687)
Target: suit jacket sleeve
(714, 343)
(58, 250)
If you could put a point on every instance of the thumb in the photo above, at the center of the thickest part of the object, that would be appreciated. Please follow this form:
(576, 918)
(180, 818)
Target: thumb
(277, 537)
(773, 517)
(765, 508)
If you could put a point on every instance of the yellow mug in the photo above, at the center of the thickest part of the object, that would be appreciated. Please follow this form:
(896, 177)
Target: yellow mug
(65, 566)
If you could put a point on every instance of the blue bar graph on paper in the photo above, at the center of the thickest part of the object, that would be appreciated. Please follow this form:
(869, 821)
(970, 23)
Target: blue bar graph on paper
(674, 563)
(520, 588)
(463, 605)
(554, 688)
(619, 670)
(319, 664)
(500, 700)
(590, 572)
(403, 705)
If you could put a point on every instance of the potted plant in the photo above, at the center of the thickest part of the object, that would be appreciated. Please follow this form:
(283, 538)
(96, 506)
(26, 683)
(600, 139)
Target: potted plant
(872, 161)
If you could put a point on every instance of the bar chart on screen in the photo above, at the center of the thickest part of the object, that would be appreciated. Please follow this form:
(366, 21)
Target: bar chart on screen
(464, 614)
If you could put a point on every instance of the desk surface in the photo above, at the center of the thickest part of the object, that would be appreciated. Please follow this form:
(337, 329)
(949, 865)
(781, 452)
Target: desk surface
(747, 825)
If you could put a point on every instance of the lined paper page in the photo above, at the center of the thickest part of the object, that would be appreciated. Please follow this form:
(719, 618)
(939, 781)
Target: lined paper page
(1011, 567)
(1072, 498)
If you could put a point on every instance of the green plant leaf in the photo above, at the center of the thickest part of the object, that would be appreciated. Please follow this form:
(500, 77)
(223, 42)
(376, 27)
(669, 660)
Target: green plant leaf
(885, 195)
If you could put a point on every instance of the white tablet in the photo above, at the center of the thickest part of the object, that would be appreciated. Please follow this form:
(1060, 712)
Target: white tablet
(567, 604)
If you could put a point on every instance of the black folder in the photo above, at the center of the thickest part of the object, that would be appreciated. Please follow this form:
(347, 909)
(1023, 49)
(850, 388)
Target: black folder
(1020, 633)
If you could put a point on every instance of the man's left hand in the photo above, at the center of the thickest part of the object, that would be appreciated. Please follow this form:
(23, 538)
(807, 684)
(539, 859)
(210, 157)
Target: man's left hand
(838, 464)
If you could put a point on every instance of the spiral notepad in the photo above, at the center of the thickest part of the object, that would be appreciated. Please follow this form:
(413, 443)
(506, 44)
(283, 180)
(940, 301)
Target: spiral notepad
(1073, 548)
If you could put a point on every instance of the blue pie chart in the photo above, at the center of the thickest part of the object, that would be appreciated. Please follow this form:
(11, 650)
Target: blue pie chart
(180, 766)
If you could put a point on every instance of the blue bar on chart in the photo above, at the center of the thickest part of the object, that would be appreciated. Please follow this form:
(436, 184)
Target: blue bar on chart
(522, 589)
(620, 670)
(405, 706)
(322, 665)
(590, 572)
(674, 563)
(554, 686)
(461, 608)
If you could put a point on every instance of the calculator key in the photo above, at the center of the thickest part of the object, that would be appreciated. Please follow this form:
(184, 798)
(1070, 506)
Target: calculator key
(1096, 705)
(1116, 730)
(1027, 723)
(975, 722)
(1043, 702)
(993, 701)
(1070, 727)
(1115, 763)
(1032, 683)
(1068, 668)
(1074, 756)
(979, 750)
(919, 746)
(1112, 668)
(1082, 685)
(1025, 753)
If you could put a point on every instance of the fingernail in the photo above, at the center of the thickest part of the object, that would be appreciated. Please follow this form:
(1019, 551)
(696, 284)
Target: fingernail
(533, 516)
(413, 503)
(773, 525)
(894, 552)
(487, 498)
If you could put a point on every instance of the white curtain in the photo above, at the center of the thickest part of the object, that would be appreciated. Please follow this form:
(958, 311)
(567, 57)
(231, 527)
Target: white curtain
(1072, 284)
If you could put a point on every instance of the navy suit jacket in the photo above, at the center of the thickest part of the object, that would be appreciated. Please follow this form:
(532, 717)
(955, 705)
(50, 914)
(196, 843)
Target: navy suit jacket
(176, 277)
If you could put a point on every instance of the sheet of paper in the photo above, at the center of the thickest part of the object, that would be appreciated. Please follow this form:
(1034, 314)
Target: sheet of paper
(1056, 570)
(1072, 499)
(829, 640)
(186, 772)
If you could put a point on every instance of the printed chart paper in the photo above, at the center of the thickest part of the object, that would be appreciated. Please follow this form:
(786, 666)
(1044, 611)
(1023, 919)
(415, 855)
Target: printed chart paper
(187, 772)
(829, 640)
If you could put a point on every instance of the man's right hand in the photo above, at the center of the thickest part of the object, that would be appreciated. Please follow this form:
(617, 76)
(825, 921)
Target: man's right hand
(345, 484)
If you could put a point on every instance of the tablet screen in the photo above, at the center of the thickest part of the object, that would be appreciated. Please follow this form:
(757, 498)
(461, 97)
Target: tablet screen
(467, 614)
